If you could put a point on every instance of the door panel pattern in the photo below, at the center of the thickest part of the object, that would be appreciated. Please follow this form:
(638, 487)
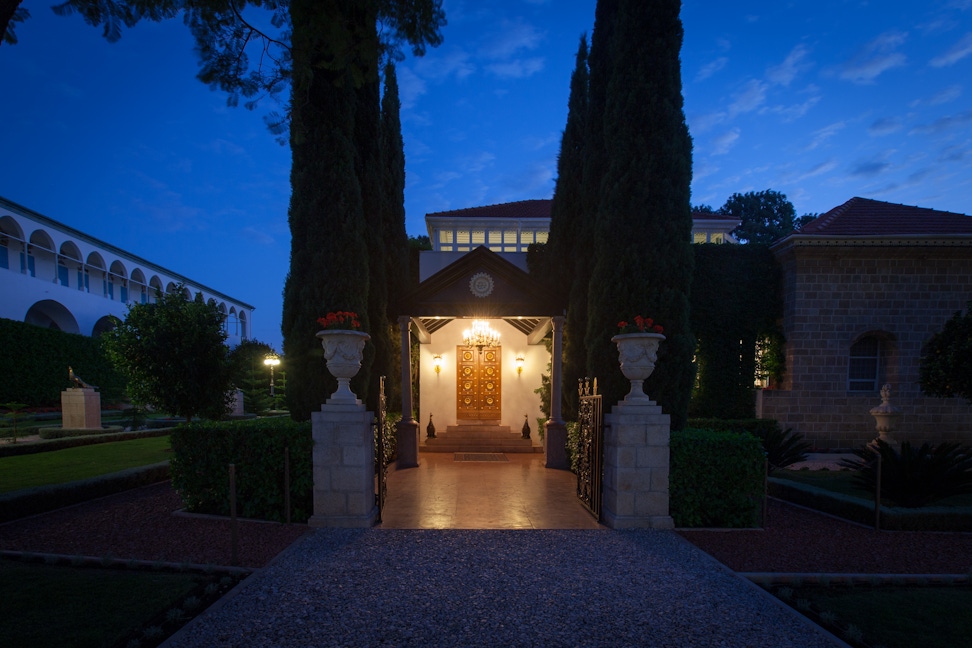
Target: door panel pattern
(478, 388)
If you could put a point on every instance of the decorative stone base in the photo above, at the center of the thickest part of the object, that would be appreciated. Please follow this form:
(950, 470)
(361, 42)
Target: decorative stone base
(344, 467)
(555, 445)
(636, 465)
(407, 437)
(81, 408)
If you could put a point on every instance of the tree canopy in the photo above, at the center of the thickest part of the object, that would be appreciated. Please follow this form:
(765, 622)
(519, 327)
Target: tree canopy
(945, 368)
(766, 215)
(174, 356)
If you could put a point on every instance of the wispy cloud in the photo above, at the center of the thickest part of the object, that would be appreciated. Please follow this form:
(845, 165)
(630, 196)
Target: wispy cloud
(751, 97)
(711, 68)
(877, 57)
(944, 124)
(259, 235)
(794, 63)
(795, 111)
(723, 143)
(822, 135)
(512, 37)
(884, 126)
(956, 53)
(954, 153)
(516, 69)
(870, 168)
(950, 93)
(439, 67)
(819, 169)
(410, 87)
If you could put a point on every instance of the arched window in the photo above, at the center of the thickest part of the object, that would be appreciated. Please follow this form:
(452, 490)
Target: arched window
(865, 366)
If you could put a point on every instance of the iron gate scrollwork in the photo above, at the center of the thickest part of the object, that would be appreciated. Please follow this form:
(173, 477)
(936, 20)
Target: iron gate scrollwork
(382, 449)
(590, 446)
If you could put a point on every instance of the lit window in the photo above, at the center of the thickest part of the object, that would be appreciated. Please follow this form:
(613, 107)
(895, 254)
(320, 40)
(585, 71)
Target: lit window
(526, 238)
(478, 237)
(495, 237)
(462, 236)
(509, 236)
(542, 237)
(699, 237)
(864, 365)
(445, 248)
(462, 248)
(717, 238)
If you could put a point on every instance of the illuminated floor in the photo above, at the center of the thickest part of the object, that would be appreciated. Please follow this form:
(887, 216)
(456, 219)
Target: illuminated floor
(517, 494)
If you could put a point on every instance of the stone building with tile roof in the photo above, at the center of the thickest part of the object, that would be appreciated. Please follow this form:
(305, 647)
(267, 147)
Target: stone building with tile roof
(865, 286)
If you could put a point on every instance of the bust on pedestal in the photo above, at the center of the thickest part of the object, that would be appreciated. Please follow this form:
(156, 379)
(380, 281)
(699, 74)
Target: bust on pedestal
(80, 405)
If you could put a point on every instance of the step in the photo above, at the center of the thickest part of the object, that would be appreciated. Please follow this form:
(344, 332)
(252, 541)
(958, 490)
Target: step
(491, 447)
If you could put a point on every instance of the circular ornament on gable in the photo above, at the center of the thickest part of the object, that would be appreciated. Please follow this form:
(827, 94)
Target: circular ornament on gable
(481, 285)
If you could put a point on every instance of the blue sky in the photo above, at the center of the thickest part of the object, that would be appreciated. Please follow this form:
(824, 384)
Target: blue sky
(820, 100)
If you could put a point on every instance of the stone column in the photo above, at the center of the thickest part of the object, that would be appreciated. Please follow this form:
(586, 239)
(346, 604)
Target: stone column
(555, 430)
(407, 433)
(344, 467)
(636, 464)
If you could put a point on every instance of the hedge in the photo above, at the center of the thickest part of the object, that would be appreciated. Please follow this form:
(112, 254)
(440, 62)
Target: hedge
(34, 365)
(759, 428)
(31, 447)
(716, 479)
(202, 452)
(63, 432)
(861, 510)
(32, 501)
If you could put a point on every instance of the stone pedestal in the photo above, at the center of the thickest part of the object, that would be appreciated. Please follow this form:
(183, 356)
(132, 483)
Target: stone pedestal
(344, 467)
(636, 463)
(236, 405)
(81, 408)
(555, 445)
(407, 440)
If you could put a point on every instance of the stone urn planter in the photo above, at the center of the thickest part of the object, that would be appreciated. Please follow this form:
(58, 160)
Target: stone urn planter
(886, 416)
(343, 351)
(637, 353)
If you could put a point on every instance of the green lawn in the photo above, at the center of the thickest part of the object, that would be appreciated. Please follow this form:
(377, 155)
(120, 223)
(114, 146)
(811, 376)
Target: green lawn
(898, 617)
(72, 464)
(71, 607)
(841, 481)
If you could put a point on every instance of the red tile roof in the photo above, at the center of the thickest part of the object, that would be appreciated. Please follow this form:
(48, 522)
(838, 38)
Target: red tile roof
(519, 209)
(865, 217)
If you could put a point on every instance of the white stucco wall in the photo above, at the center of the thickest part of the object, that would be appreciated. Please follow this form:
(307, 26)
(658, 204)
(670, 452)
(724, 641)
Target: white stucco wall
(437, 392)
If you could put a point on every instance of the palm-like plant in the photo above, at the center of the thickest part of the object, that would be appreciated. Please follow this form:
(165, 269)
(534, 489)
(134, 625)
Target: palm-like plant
(784, 448)
(914, 477)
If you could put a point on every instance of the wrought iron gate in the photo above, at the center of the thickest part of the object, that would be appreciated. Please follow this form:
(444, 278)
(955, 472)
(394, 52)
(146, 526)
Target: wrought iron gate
(382, 449)
(590, 446)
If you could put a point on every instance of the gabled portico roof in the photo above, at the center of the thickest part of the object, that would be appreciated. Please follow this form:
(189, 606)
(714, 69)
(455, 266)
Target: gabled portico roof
(481, 284)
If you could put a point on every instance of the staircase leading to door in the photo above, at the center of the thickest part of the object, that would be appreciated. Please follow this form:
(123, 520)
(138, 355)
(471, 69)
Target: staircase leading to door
(479, 436)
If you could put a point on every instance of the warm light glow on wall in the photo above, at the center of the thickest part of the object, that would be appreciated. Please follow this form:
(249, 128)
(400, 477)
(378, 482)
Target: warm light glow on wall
(519, 364)
(437, 363)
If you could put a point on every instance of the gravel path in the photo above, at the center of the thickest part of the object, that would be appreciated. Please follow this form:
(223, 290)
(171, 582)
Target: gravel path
(497, 588)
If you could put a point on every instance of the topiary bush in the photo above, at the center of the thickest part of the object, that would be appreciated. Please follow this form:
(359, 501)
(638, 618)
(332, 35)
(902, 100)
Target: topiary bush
(782, 448)
(914, 477)
(202, 452)
(716, 478)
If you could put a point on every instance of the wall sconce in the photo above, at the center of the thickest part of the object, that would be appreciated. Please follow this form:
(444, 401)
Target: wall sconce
(437, 363)
(519, 365)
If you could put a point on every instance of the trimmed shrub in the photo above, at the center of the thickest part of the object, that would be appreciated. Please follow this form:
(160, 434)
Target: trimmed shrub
(61, 432)
(914, 477)
(716, 479)
(202, 452)
(34, 365)
(782, 448)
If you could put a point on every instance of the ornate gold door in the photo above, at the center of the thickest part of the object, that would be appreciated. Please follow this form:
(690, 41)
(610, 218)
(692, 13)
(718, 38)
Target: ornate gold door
(478, 388)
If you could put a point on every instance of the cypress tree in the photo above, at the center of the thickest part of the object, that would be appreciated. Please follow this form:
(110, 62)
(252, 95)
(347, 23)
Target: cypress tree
(393, 216)
(328, 258)
(567, 227)
(643, 255)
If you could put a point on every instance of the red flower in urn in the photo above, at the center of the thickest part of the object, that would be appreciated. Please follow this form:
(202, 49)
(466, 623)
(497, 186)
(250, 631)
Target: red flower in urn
(640, 325)
(340, 320)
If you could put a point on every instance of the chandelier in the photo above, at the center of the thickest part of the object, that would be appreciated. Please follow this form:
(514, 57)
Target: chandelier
(480, 335)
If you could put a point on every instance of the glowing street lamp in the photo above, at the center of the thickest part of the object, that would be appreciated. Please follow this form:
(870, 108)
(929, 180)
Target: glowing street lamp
(272, 361)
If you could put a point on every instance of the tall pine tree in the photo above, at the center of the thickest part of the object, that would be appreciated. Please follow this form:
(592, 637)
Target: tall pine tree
(393, 217)
(643, 256)
(569, 227)
(328, 257)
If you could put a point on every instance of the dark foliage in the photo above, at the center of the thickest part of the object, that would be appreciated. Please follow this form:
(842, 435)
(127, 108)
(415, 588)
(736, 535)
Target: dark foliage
(736, 304)
(249, 374)
(782, 448)
(716, 479)
(34, 365)
(914, 477)
(202, 453)
(766, 215)
(946, 369)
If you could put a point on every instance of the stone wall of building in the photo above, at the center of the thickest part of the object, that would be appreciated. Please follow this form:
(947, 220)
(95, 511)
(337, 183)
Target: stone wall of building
(836, 294)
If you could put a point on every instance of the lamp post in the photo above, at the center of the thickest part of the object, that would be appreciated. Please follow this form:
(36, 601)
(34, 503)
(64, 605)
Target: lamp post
(272, 361)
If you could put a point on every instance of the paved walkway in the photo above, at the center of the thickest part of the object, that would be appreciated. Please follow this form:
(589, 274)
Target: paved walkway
(536, 571)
